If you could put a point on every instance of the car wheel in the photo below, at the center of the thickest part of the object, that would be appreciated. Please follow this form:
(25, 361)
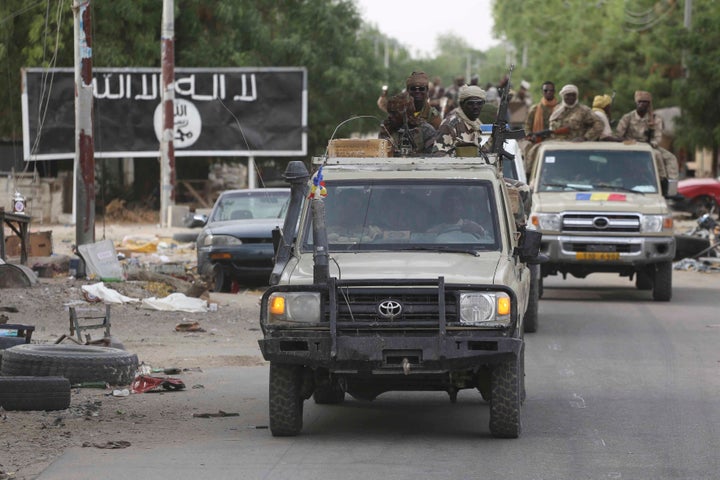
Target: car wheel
(662, 282)
(530, 320)
(286, 401)
(34, 393)
(506, 398)
(221, 282)
(77, 363)
(703, 204)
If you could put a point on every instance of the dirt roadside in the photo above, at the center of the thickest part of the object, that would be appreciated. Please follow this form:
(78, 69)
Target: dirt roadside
(30, 441)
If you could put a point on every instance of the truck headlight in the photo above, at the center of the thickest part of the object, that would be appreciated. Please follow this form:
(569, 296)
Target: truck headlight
(656, 223)
(547, 221)
(293, 307)
(485, 309)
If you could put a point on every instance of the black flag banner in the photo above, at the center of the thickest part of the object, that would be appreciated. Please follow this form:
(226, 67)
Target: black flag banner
(218, 112)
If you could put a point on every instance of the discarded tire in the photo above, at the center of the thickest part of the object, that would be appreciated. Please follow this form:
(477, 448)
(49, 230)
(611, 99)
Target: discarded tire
(77, 363)
(34, 393)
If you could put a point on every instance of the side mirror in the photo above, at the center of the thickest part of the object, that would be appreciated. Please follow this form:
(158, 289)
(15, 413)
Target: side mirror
(529, 249)
(196, 220)
(669, 187)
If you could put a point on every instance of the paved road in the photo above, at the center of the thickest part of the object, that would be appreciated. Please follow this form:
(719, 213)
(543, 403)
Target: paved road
(618, 387)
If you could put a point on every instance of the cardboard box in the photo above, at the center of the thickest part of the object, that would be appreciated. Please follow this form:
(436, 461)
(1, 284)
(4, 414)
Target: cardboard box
(39, 245)
(360, 148)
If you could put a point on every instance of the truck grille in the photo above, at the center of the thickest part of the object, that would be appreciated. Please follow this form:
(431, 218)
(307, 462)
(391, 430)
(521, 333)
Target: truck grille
(601, 222)
(418, 308)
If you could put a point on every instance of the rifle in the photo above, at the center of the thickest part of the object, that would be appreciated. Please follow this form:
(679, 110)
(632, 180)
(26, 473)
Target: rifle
(500, 132)
(406, 144)
(540, 135)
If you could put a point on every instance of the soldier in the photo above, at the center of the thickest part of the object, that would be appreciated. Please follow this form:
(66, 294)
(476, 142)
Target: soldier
(462, 126)
(601, 108)
(642, 125)
(578, 118)
(410, 135)
(452, 95)
(538, 118)
(417, 86)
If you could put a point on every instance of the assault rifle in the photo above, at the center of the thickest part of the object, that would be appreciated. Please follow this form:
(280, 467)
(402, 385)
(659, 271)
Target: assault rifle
(500, 132)
(540, 135)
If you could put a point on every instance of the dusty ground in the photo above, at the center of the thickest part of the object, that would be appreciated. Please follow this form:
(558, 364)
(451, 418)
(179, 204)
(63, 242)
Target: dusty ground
(30, 441)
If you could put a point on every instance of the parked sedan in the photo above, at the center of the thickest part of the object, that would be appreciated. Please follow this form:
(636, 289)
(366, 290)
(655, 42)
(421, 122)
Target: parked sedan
(235, 245)
(699, 195)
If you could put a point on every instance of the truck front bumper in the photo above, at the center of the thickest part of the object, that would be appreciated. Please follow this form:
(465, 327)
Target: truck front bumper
(419, 353)
(621, 251)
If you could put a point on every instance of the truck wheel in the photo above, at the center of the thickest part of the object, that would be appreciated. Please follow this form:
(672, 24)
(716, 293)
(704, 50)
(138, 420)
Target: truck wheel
(505, 400)
(530, 320)
(286, 401)
(662, 283)
(329, 394)
(643, 280)
(77, 363)
(34, 393)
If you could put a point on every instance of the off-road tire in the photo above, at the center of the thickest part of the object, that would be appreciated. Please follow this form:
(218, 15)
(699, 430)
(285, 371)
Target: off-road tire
(286, 400)
(329, 395)
(221, 283)
(643, 280)
(662, 282)
(77, 363)
(34, 393)
(505, 399)
(530, 320)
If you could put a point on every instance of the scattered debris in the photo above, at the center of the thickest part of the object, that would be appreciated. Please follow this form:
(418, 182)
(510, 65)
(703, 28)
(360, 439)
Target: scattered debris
(147, 383)
(110, 445)
(98, 292)
(703, 264)
(189, 327)
(219, 413)
(176, 302)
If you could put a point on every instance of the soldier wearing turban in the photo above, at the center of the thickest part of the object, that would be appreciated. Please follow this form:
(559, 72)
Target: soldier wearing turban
(417, 85)
(462, 125)
(578, 119)
(409, 134)
(601, 108)
(642, 125)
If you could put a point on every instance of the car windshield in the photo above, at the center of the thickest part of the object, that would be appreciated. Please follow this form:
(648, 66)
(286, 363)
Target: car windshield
(250, 204)
(579, 170)
(397, 215)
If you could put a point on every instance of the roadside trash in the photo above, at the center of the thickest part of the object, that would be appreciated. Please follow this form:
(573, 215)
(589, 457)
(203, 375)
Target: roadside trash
(176, 302)
(102, 385)
(99, 292)
(213, 307)
(144, 369)
(121, 393)
(111, 445)
(101, 261)
(147, 383)
(189, 327)
(219, 413)
(167, 371)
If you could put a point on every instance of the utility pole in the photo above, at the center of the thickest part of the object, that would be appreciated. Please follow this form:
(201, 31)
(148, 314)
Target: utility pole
(84, 165)
(167, 144)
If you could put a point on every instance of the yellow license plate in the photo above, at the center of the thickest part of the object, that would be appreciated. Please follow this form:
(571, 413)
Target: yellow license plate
(600, 256)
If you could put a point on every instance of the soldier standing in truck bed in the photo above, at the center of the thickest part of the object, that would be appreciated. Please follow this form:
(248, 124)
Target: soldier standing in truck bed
(409, 135)
(578, 118)
(642, 125)
(417, 85)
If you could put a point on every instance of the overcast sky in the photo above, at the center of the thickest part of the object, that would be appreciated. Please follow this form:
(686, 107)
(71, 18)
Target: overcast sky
(416, 23)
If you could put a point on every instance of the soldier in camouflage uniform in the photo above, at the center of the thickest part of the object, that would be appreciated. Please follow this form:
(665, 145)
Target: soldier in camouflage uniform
(417, 86)
(409, 135)
(642, 125)
(582, 124)
(462, 125)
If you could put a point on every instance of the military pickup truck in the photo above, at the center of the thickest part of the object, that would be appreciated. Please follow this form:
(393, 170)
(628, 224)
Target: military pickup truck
(600, 208)
(406, 274)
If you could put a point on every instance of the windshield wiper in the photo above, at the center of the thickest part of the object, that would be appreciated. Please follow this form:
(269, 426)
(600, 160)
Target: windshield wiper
(444, 248)
(607, 186)
(558, 185)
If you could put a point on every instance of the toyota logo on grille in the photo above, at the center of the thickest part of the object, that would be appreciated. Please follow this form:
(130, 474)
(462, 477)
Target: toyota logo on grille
(389, 309)
(601, 223)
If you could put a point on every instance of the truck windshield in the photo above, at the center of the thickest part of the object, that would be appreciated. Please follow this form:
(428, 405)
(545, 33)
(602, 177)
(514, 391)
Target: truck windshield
(566, 170)
(397, 215)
